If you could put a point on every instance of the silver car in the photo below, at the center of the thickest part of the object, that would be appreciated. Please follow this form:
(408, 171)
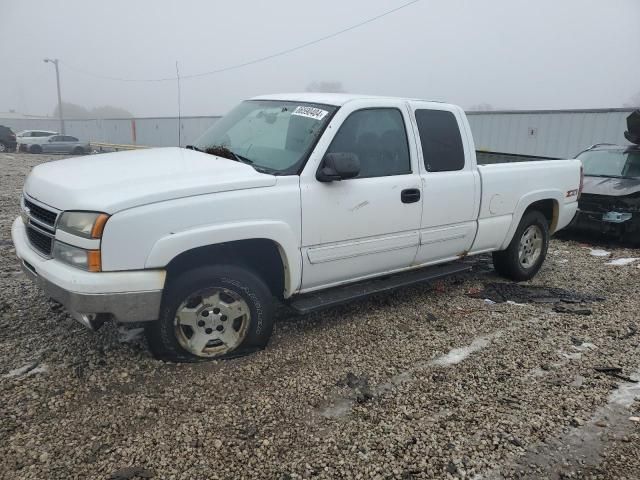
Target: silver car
(61, 144)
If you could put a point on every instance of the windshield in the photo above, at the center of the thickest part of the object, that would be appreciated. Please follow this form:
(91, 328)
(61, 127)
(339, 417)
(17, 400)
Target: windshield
(270, 135)
(611, 163)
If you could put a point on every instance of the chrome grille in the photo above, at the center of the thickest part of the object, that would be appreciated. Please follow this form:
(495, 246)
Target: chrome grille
(39, 213)
(40, 221)
(39, 240)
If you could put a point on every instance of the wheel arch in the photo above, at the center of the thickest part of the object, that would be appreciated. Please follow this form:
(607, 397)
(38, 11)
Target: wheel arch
(547, 202)
(261, 255)
(274, 254)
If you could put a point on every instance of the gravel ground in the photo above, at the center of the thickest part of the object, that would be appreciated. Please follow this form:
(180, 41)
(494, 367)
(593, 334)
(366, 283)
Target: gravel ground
(427, 382)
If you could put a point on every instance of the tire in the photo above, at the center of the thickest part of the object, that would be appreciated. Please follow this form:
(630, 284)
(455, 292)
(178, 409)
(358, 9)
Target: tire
(3, 147)
(532, 235)
(191, 315)
(78, 151)
(35, 149)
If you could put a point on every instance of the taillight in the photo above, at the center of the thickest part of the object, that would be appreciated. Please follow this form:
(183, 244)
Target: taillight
(581, 181)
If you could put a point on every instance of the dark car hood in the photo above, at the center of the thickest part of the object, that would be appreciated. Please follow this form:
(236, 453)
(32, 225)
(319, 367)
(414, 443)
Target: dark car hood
(613, 187)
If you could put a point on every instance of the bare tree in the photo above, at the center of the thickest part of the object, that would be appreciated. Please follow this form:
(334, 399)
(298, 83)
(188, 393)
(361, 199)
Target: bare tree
(326, 87)
(107, 111)
(72, 110)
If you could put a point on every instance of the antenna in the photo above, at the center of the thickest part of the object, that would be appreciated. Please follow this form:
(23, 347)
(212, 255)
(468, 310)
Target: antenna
(179, 111)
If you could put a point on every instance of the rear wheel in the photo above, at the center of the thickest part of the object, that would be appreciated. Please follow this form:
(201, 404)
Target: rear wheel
(212, 312)
(35, 149)
(525, 254)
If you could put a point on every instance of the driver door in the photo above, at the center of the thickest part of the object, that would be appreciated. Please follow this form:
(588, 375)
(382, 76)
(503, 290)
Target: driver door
(367, 225)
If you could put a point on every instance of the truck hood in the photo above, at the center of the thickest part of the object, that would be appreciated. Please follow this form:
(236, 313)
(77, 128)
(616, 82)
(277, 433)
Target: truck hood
(111, 182)
(612, 187)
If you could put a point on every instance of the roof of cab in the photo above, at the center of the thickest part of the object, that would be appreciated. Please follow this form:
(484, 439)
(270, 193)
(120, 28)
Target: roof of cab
(336, 99)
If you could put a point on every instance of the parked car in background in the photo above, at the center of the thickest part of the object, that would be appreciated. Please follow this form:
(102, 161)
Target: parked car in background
(610, 201)
(315, 199)
(61, 144)
(7, 139)
(26, 138)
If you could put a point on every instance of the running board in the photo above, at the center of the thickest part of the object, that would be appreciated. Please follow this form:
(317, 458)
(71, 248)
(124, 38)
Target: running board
(321, 299)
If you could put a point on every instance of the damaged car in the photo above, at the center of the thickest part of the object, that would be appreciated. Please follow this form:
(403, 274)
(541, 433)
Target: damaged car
(610, 200)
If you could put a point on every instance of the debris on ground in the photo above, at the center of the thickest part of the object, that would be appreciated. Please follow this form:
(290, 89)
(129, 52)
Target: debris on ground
(503, 292)
(30, 368)
(560, 308)
(129, 473)
(130, 335)
(360, 385)
(632, 329)
(615, 372)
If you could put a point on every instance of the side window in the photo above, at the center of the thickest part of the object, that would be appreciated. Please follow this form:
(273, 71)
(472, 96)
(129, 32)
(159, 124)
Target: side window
(379, 138)
(55, 139)
(442, 148)
(70, 139)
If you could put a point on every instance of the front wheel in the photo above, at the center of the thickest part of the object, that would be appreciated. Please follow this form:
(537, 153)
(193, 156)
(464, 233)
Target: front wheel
(78, 151)
(35, 149)
(212, 312)
(525, 254)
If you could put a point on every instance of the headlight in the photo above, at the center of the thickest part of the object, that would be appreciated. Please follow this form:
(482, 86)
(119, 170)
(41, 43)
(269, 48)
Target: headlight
(83, 224)
(77, 257)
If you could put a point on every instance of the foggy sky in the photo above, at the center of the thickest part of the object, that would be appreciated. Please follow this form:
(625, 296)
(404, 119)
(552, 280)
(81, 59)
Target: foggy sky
(515, 54)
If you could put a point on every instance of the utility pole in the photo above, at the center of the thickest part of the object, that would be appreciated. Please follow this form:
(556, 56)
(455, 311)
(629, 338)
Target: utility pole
(60, 116)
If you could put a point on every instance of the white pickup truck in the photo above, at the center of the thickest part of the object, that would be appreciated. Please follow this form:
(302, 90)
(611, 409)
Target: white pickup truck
(312, 199)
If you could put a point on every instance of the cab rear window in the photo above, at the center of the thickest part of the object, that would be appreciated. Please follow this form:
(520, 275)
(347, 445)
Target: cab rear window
(442, 148)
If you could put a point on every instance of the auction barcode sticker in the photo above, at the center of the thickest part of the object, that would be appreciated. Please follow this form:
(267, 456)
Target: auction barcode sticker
(311, 112)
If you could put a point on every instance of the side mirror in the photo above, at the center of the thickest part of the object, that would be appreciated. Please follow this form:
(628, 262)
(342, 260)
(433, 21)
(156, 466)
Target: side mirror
(51, 139)
(338, 166)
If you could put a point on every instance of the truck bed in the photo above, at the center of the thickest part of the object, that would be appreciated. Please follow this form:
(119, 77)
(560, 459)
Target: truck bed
(508, 188)
(484, 157)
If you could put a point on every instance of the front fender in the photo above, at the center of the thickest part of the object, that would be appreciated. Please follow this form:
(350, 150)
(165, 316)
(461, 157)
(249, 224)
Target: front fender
(172, 245)
(524, 203)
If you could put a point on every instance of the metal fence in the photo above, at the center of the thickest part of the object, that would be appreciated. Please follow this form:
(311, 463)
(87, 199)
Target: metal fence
(549, 133)
(152, 132)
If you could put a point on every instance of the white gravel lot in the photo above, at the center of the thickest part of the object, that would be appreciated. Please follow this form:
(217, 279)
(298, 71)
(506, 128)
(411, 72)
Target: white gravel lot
(427, 382)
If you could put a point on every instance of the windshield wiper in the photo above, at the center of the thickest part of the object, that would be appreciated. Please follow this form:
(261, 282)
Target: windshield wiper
(224, 152)
(242, 159)
(193, 147)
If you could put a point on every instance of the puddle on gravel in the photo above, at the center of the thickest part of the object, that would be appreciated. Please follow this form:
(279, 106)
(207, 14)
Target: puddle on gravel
(582, 446)
(341, 406)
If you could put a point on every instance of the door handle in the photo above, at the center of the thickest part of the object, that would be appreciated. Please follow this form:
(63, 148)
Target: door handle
(410, 195)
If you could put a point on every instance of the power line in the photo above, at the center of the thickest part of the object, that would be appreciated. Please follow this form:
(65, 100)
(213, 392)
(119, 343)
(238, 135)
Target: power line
(250, 62)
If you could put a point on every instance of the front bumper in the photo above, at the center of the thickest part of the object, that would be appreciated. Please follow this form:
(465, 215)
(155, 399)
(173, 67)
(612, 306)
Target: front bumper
(613, 223)
(130, 296)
